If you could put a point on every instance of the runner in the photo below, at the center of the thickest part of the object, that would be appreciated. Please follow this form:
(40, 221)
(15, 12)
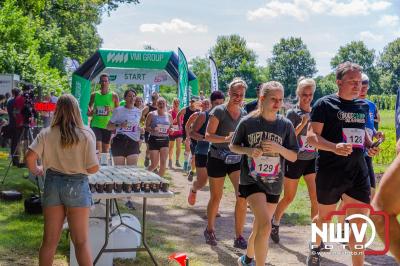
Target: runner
(175, 136)
(205, 106)
(221, 161)
(337, 130)
(139, 104)
(305, 164)
(147, 109)
(125, 120)
(101, 105)
(158, 123)
(265, 139)
(198, 133)
(186, 113)
(387, 200)
(251, 106)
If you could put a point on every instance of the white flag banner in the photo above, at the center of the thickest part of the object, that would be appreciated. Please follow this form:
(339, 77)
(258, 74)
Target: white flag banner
(148, 90)
(214, 75)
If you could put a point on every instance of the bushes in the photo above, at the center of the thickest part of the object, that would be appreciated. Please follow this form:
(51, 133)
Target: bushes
(384, 102)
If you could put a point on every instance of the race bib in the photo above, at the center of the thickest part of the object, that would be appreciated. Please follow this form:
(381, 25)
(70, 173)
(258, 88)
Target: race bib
(102, 110)
(162, 129)
(304, 146)
(129, 127)
(175, 128)
(355, 136)
(265, 166)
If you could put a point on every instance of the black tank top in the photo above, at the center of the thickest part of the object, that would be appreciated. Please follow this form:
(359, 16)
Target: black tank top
(188, 113)
(151, 109)
(203, 128)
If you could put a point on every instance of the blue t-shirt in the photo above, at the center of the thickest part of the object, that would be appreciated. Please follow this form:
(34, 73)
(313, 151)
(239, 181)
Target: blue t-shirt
(369, 125)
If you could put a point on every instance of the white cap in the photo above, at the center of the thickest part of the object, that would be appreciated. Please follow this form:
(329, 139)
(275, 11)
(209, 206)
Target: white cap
(364, 77)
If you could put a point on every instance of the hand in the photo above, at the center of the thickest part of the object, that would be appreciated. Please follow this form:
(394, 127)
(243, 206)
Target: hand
(343, 149)
(271, 146)
(379, 135)
(305, 118)
(90, 112)
(38, 171)
(373, 151)
(229, 137)
(255, 152)
(124, 124)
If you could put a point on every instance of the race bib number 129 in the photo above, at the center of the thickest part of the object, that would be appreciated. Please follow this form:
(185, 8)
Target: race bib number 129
(265, 166)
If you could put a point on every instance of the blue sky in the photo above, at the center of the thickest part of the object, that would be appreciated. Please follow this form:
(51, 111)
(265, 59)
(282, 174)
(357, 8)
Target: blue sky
(323, 25)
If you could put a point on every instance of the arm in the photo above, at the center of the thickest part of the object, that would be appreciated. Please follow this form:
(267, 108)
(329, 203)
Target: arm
(188, 126)
(144, 113)
(178, 117)
(197, 124)
(148, 122)
(314, 138)
(116, 100)
(303, 123)
(271, 146)
(91, 103)
(212, 128)
(31, 158)
(251, 152)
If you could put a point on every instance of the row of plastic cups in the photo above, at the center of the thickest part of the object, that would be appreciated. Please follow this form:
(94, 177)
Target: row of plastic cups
(128, 186)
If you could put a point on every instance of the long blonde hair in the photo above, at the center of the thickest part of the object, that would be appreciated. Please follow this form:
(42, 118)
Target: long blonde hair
(68, 117)
(266, 89)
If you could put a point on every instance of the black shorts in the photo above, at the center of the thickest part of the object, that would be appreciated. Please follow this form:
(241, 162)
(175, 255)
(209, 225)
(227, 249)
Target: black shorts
(103, 135)
(124, 146)
(156, 143)
(299, 168)
(174, 137)
(332, 185)
(200, 160)
(371, 173)
(146, 136)
(247, 190)
(218, 168)
(193, 147)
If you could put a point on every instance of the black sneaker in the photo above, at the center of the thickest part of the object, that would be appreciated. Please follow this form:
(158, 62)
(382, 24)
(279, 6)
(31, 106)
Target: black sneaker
(240, 242)
(275, 233)
(314, 259)
(210, 237)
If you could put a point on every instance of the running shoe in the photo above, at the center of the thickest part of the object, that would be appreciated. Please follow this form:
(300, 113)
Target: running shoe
(240, 242)
(210, 237)
(146, 162)
(314, 259)
(190, 176)
(192, 197)
(242, 261)
(177, 164)
(170, 164)
(275, 233)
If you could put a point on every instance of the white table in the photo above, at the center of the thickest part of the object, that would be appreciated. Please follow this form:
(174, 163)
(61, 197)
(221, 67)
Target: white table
(109, 197)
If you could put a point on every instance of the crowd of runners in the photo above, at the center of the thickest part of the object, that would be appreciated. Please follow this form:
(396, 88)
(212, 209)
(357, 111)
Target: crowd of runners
(261, 148)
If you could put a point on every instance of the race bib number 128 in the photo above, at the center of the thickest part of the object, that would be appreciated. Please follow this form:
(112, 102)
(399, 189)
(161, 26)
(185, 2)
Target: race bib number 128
(355, 136)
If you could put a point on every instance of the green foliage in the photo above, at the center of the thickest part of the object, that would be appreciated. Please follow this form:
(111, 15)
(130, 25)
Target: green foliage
(290, 60)
(384, 102)
(201, 68)
(388, 147)
(389, 64)
(357, 52)
(325, 85)
(234, 59)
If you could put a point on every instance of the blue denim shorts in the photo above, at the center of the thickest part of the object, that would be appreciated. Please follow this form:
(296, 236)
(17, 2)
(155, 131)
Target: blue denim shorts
(67, 190)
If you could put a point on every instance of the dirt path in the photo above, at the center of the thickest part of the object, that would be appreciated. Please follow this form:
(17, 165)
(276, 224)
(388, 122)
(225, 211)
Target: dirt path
(186, 225)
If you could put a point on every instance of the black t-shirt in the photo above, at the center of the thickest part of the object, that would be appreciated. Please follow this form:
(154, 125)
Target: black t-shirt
(251, 106)
(249, 133)
(344, 121)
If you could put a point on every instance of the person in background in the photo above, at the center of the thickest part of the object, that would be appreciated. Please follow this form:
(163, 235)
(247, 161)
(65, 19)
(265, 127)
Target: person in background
(251, 106)
(158, 124)
(140, 105)
(45, 115)
(8, 95)
(186, 112)
(12, 125)
(53, 97)
(175, 136)
(150, 107)
(66, 164)
(101, 105)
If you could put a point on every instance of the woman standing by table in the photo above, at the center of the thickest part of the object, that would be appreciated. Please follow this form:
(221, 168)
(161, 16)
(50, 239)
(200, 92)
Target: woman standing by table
(158, 124)
(67, 150)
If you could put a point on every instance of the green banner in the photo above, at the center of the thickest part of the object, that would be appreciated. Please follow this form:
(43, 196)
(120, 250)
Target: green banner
(135, 59)
(194, 86)
(183, 82)
(81, 91)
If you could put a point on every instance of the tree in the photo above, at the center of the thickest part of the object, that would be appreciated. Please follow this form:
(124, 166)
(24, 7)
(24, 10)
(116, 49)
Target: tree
(234, 59)
(291, 60)
(200, 66)
(325, 85)
(357, 52)
(389, 65)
